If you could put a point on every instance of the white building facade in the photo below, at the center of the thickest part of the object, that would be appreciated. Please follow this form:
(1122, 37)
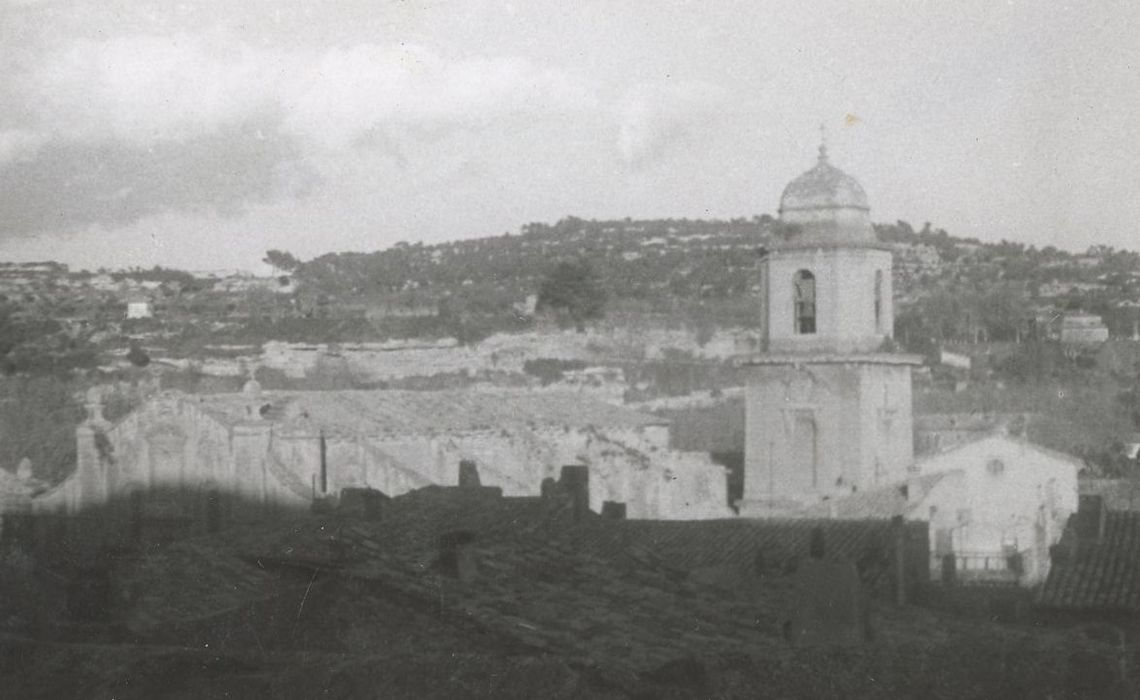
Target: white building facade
(1002, 504)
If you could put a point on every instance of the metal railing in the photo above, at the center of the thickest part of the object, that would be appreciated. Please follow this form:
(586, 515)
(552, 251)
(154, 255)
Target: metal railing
(996, 567)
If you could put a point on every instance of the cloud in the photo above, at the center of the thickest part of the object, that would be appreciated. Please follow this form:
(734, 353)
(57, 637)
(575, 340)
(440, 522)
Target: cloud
(72, 184)
(19, 145)
(131, 126)
(348, 92)
(653, 116)
(145, 88)
(112, 130)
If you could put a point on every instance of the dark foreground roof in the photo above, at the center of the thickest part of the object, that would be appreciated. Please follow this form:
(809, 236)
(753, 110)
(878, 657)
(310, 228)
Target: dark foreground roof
(1097, 575)
(544, 605)
(620, 594)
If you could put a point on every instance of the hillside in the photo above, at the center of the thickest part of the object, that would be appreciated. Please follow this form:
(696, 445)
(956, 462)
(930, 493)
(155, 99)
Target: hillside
(948, 288)
(693, 273)
(1000, 303)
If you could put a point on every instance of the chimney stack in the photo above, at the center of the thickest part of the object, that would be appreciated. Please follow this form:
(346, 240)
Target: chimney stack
(1091, 518)
(457, 556)
(575, 482)
(613, 510)
(468, 474)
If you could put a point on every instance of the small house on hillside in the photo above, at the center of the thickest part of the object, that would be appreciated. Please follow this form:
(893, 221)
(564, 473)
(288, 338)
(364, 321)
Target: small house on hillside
(139, 306)
(1083, 329)
(400, 307)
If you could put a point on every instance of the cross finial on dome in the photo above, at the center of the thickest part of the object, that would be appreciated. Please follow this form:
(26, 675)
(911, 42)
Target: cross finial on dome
(822, 143)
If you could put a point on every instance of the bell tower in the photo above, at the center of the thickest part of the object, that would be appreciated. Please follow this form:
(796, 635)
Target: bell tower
(828, 405)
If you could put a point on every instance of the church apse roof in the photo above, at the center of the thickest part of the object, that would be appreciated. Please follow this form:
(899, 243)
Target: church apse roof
(826, 207)
(823, 187)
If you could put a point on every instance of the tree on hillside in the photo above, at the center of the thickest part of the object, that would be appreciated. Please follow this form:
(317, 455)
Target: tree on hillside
(1003, 311)
(38, 418)
(281, 260)
(573, 291)
(137, 356)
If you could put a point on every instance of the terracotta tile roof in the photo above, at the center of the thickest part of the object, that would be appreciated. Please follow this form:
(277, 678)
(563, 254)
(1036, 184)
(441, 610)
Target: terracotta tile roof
(1097, 575)
(427, 412)
(727, 550)
(185, 582)
(680, 547)
(536, 583)
(622, 595)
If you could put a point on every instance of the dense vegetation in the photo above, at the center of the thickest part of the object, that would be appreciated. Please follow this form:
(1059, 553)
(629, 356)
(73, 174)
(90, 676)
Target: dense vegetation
(35, 344)
(959, 288)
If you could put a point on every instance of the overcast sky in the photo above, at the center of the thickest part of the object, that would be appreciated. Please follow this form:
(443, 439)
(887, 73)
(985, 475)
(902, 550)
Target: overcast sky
(200, 134)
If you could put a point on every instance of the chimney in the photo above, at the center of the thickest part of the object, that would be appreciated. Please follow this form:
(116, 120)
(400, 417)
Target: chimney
(899, 528)
(549, 488)
(456, 556)
(817, 547)
(613, 510)
(324, 480)
(366, 503)
(1091, 518)
(468, 474)
(575, 482)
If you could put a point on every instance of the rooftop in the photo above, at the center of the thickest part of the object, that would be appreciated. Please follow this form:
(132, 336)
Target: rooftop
(425, 412)
(879, 358)
(550, 607)
(1097, 575)
(882, 503)
(625, 595)
(974, 421)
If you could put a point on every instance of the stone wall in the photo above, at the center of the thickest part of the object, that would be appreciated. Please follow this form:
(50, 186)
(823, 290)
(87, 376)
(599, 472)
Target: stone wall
(859, 417)
(396, 360)
(172, 445)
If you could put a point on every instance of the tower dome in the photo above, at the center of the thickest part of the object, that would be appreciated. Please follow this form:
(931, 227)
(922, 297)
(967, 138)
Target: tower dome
(826, 207)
